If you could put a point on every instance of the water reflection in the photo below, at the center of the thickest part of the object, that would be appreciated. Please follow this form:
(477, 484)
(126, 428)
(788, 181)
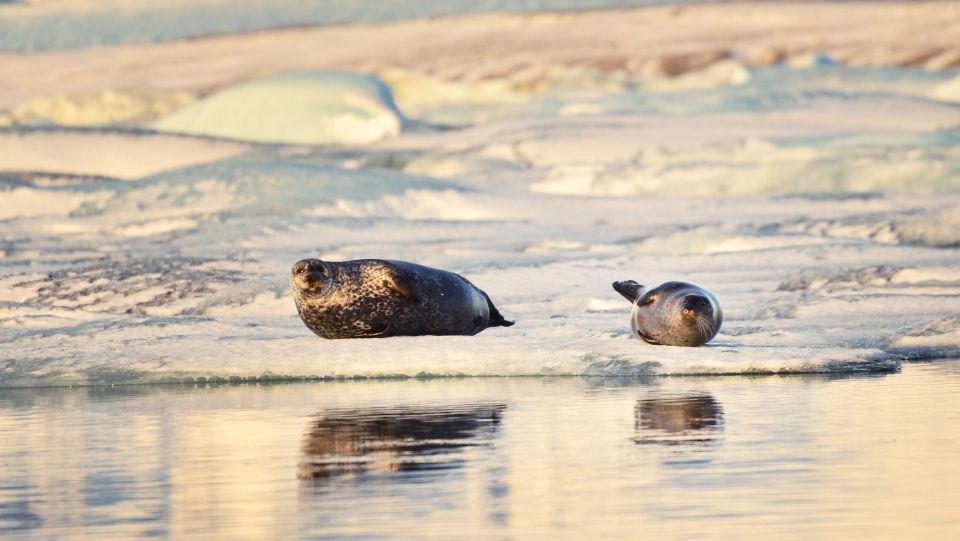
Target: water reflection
(381, 441)
(695, 419)
(827, 457)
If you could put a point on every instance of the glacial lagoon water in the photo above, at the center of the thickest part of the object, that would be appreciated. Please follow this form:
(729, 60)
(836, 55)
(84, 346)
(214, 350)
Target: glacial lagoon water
(762, 457)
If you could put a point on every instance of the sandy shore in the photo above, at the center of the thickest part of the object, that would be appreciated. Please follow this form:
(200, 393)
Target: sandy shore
(525, 49)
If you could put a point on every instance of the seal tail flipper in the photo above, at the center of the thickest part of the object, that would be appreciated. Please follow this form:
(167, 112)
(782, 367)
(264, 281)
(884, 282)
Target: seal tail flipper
(629, 289)
(496, 318)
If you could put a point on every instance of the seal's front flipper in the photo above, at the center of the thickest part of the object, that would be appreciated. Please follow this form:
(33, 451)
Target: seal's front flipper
(629, 289)
(385, 331)
(496, 319)
(400, 284)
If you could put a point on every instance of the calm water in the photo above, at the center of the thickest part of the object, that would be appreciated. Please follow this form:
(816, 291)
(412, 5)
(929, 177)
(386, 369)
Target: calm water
(499, 458)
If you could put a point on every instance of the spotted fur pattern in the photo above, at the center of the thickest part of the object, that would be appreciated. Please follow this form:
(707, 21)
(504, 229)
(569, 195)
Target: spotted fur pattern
(368, 298)
(673, 313)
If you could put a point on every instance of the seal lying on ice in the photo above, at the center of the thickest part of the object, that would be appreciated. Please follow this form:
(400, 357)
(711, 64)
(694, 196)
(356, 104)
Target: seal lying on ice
(673, 313)
(368, 298)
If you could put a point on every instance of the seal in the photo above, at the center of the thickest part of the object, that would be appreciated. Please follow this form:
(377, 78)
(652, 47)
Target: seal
(673, 313)
(372, 298)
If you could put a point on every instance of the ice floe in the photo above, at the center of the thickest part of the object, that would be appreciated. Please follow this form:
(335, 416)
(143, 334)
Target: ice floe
(311, 107)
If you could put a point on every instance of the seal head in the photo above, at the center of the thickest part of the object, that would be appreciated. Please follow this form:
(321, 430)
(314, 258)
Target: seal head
(368, 298)
(673, 313)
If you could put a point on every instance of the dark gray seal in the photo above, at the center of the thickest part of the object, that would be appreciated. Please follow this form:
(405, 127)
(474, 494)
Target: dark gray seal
(369, 298)
(673, 313)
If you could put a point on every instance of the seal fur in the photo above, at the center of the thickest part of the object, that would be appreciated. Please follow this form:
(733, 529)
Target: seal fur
(373, 298)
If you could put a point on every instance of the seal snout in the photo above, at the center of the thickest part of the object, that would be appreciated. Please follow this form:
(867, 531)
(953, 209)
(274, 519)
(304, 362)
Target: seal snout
(300, 267)
(309, 274)
(694, 305)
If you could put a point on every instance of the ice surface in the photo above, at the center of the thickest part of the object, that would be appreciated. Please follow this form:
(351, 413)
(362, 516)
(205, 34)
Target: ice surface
(947, 91)
(820, 202)
(212, 300)
(107, 107)
(106, 152)
(311, 107)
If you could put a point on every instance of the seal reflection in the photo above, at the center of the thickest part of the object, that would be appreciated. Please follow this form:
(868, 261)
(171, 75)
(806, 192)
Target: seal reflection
(395, 440)
(695, 419)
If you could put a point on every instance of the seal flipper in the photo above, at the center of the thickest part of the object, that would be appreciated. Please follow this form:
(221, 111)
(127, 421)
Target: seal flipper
(629, 289)
(496, 318)
(376, 334)
(400, 284)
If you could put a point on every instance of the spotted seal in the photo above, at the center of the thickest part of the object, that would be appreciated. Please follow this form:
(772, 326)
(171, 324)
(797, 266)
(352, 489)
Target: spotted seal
(673, 313)
(369, 298)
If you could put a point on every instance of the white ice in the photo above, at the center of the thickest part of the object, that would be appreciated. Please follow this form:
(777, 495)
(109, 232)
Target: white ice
(312, 107)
